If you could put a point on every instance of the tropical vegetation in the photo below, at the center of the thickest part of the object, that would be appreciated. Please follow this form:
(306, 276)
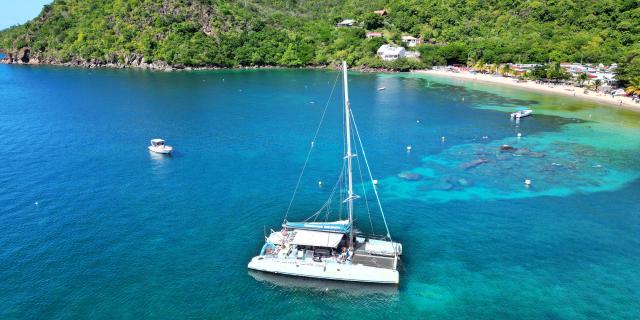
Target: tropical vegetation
(298, 33)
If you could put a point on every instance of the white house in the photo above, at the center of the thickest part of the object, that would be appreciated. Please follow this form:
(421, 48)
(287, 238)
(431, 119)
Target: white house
(389, 52)
(346, 23)
(373, 34)
(412, 54)
(382, 12)
(411, 41)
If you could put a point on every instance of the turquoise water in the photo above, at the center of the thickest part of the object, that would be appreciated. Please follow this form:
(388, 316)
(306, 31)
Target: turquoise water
(94, 226)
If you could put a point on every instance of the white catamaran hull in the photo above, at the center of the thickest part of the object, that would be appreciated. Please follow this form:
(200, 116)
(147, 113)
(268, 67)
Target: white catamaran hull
(322, 270)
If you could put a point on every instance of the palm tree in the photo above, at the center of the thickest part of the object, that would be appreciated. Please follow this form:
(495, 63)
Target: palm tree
(505, 69)
(491, 68)
(633, 87)
(470, 62)
(596, 84)
(582, 78)
(486, 68)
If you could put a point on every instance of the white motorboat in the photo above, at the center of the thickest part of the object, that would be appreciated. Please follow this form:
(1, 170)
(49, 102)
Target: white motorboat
(521, 113)
(159, 146)
(333, 249)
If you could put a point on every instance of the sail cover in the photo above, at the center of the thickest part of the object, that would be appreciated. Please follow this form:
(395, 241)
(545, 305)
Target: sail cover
(341, 226)
(316, 239)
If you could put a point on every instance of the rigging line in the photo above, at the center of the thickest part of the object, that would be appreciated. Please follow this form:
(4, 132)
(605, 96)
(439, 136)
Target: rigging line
(338, 185)
(341, 191)
(364, 193)
(375, 190)
(313, 142)
(340, 202)
(328, 202)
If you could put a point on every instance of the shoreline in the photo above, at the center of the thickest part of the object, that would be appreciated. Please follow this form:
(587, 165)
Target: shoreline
(163, 67)
(621, 102)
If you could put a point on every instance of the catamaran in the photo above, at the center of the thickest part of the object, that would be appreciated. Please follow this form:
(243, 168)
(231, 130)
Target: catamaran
(334, 250)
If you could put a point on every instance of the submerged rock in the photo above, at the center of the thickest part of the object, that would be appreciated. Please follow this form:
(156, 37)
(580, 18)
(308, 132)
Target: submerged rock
(464, 182)
(507, 148)
(449, 184)
(410, 176)
(444, 186)
(528, 152)
(473, 164)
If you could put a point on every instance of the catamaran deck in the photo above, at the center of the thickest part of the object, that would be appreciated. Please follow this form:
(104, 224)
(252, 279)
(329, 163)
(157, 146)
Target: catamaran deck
(364, 258)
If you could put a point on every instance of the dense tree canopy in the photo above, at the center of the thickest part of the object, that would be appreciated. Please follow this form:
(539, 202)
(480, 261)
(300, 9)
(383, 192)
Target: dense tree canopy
(297, 32)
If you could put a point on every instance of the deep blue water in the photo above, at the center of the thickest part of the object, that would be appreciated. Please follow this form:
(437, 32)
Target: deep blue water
(94, 226)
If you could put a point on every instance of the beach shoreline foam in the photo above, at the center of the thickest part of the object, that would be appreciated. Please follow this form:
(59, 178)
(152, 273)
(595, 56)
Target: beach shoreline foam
(565, 90)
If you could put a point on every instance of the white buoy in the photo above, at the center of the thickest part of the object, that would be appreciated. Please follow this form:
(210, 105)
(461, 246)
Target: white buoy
(417, 121)
(408, 148)
(442, 139)
(519, 134)
(375, 182)
(36, 203)
(485, 137)
(527, 182)
(320, 183)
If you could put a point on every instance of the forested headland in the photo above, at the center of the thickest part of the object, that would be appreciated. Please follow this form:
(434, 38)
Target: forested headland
(293, 33)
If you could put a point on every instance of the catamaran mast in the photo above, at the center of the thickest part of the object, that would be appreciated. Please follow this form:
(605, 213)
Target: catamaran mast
(347, 114)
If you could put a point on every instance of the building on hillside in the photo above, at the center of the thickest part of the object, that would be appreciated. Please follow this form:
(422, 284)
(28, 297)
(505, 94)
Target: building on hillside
(388, 52)
(520, 68)
(411, 41)
(412, 54)
(346, 23)
(372, 34)
(382, 12)
(604, 77)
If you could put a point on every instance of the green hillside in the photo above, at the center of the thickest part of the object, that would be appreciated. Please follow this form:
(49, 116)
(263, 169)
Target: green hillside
(297, 33)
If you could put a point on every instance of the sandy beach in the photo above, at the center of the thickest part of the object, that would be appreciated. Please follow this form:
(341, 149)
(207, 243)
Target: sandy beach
(566, 90)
